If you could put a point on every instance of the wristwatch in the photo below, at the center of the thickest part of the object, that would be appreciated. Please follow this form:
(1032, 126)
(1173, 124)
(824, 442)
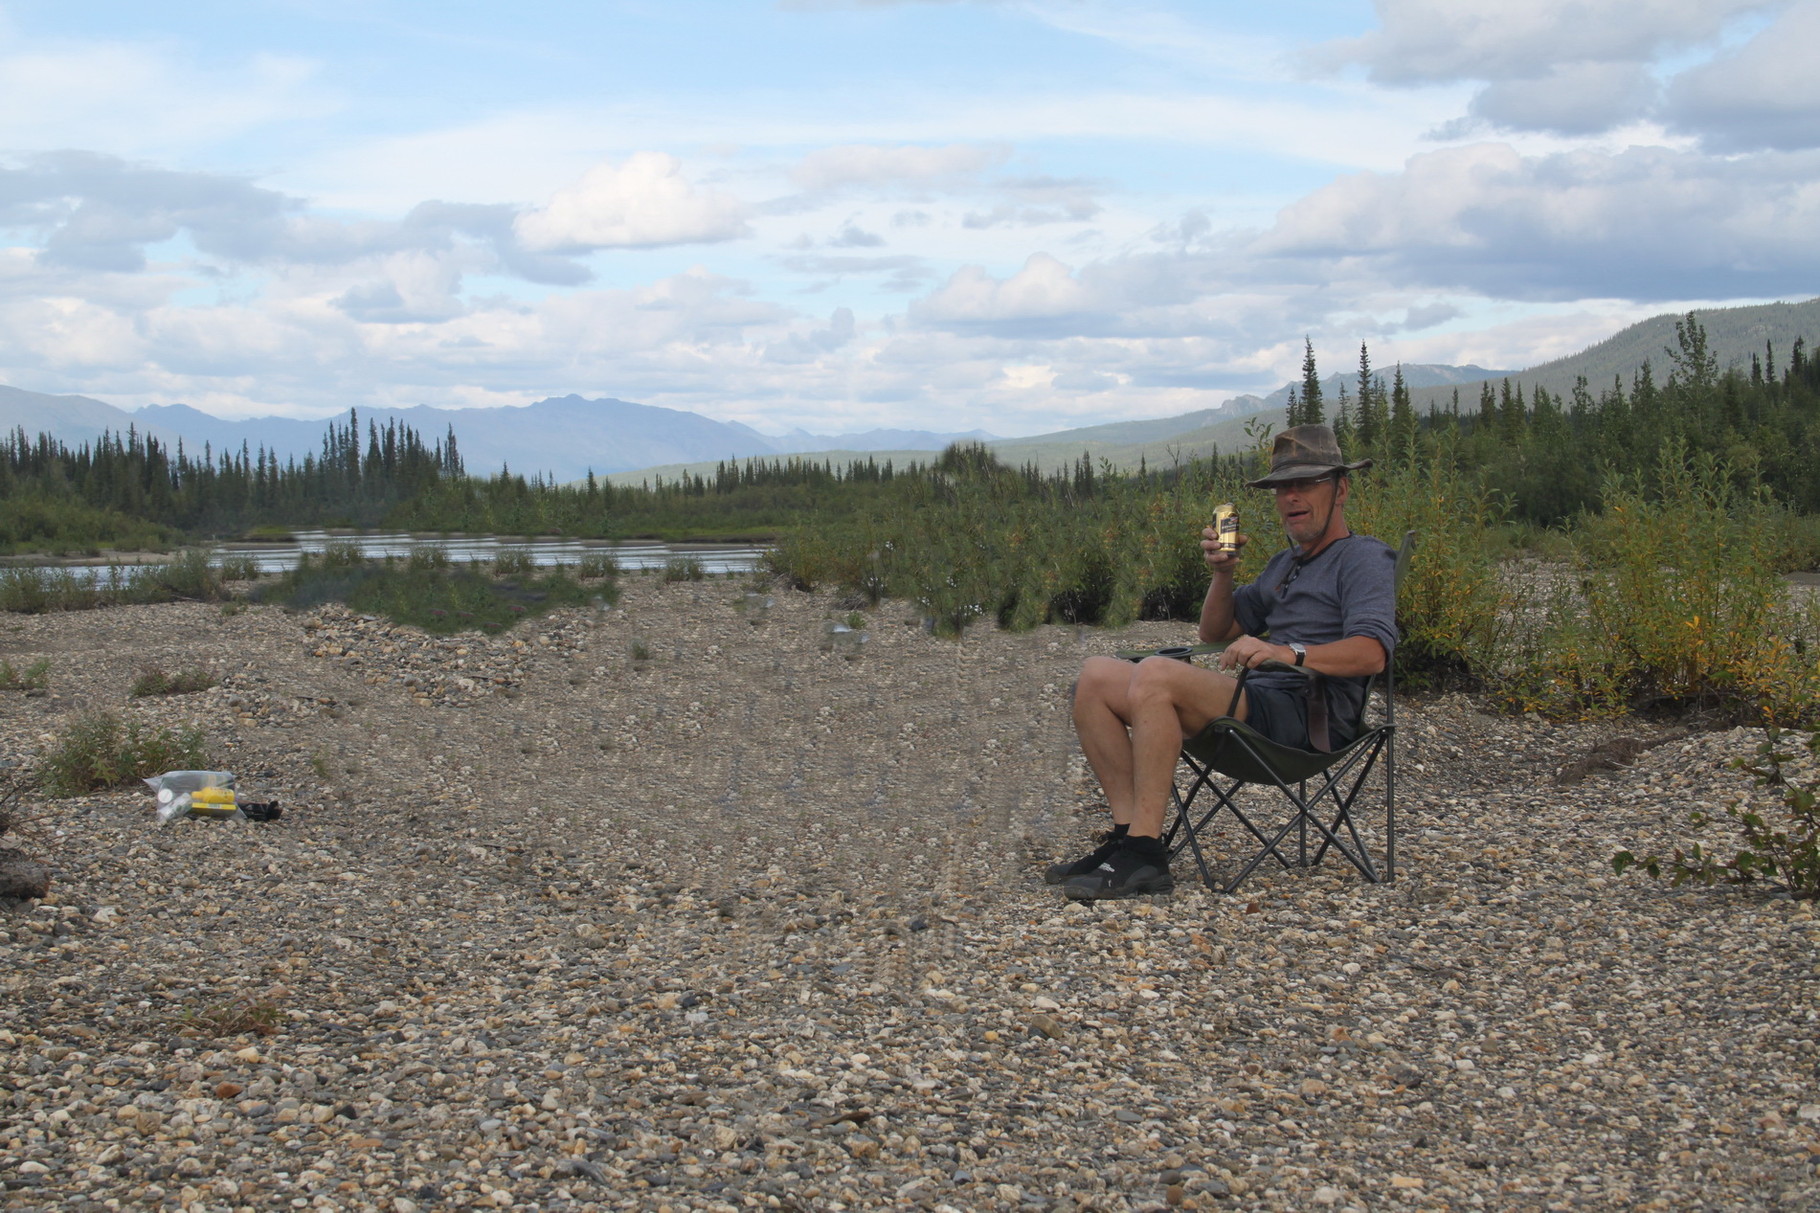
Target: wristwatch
(1299, 649)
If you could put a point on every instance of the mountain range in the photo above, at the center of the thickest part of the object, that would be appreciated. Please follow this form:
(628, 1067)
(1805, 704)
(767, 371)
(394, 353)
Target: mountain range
(566, 437)
(1733, 336)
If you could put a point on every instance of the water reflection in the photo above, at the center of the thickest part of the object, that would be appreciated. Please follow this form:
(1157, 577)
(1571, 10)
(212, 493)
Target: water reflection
(631, 555)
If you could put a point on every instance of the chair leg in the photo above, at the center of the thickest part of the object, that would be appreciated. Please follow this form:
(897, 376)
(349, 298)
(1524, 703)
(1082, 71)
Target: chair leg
(1390, 805)
(1323, 816)
(1188, 827)
(1358, 854)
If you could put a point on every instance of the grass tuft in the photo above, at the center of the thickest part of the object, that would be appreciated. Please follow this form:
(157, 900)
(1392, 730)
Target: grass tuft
(438, 599)
(153, 680)
(34, 677)
(247, 1015)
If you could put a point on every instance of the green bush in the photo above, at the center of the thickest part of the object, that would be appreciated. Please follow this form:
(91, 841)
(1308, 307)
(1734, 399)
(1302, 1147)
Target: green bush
(513, 562)
(63, 525)
(1672, 597)
(1453, 610)
(1801, 537)
(190, 575)
(683, 568)
(596, 565)
(99, 750)
(339, 554)
(33, 591)
(237, 567)
(1676, 605)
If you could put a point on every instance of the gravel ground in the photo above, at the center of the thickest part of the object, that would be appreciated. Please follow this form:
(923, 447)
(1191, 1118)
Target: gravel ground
(750, 923)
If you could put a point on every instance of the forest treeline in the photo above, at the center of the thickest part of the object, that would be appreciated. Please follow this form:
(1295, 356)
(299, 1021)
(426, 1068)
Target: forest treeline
(1541, 458)
(1546, 457)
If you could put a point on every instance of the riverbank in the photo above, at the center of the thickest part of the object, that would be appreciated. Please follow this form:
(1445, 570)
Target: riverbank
(667, 905)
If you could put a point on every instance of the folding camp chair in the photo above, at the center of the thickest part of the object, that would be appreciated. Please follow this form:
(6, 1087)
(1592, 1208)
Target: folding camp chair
(1322, 788)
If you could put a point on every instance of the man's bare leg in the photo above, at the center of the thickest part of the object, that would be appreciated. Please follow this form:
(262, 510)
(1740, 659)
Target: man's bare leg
(1131, 720)
(1102, 710)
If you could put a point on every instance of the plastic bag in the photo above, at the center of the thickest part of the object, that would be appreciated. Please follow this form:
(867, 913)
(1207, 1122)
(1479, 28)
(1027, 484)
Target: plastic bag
(195, 794)
(189, 781)
(209, 795)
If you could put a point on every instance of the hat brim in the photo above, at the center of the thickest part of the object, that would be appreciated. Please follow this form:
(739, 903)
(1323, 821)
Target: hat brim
(1305, 471)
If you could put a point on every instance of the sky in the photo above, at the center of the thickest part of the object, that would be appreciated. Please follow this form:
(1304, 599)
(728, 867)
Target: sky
(1018, 216)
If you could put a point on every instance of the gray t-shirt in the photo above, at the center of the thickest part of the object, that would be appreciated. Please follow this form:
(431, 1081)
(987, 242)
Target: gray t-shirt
(1348, 589)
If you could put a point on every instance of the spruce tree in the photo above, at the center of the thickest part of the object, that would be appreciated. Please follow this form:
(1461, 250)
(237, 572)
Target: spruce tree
(1343, 428)
(1513, 417)
(1312, 412)
(1402, 420)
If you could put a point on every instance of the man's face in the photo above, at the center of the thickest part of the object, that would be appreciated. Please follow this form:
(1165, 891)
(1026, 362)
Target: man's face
(1305, 506)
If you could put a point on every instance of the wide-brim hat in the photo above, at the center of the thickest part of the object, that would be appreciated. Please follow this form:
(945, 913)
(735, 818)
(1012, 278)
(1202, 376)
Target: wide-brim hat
(1303, 452)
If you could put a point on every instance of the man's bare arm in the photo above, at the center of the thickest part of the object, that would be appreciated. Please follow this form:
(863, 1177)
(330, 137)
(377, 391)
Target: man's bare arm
(1353, 657)
(1218, 622)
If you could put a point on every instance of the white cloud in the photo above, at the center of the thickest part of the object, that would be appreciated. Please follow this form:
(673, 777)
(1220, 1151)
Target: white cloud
(641, 202)
(1570, 98)
(1647, 223)
(1527, 340)
(1118, 238)
(1573, 68)
(863, 164)
(854, 236)
(1764, 95)
(1428, 41)
(1044, 289)
(413, 287)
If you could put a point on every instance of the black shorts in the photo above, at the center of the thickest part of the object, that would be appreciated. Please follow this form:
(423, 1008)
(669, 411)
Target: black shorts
(1279, 713)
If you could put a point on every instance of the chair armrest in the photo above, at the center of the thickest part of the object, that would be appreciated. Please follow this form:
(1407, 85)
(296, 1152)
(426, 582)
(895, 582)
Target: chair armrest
(1283, 667)
(1181, 652)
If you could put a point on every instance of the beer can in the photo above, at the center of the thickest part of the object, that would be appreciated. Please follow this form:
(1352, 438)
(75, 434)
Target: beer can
(1226, 526)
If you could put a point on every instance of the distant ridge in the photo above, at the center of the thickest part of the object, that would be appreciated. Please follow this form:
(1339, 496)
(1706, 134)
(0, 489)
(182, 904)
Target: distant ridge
(565, 437)
(1733, 334)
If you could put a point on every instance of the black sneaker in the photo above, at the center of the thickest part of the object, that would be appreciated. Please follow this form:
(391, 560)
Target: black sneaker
(1136, 865)
(1059, 873)
(262, 812)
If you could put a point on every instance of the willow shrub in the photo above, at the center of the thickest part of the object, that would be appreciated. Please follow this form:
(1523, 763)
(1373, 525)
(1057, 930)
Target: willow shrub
(188, 576)
(100, 750)
(981, 541)
(1454, 611)
(988, 542)
(1676, 605)
(1670, 598)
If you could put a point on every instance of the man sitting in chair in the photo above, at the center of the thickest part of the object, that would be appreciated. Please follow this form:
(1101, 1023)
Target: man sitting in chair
(1327, 602)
